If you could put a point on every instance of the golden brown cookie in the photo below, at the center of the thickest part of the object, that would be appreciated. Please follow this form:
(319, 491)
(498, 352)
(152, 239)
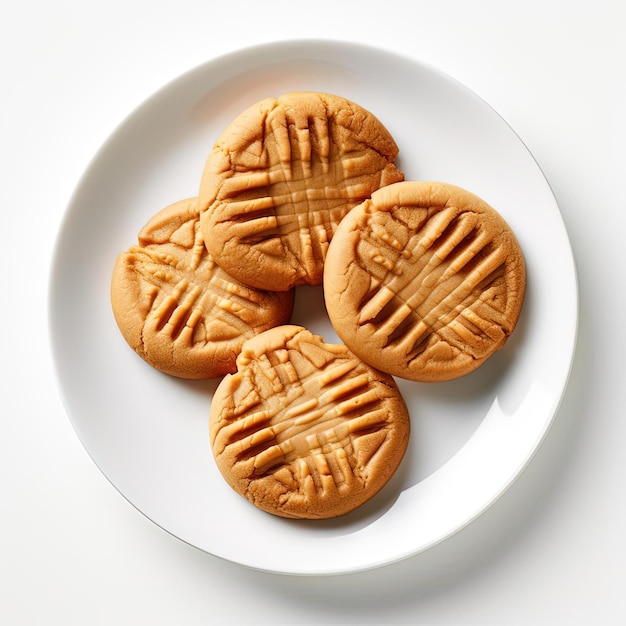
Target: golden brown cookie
(424, 281)
(280, 178)
(305, 429)
(177, 309)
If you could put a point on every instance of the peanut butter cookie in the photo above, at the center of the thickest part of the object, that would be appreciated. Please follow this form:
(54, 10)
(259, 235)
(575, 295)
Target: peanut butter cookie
(177, 309)
(305, 429)
(424, 281)
(280, 178)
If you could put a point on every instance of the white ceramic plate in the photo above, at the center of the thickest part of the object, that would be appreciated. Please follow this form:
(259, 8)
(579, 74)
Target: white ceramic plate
(148, 432)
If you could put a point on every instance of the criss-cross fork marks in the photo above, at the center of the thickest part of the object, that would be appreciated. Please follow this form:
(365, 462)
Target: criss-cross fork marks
(441, 280)
(299, 188)
(313, 423)
(185, 290)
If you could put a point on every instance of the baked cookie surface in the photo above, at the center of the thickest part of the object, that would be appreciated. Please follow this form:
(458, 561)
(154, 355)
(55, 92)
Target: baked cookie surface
(280, 178)
(177, 309)
(305, 429)
(424, 281)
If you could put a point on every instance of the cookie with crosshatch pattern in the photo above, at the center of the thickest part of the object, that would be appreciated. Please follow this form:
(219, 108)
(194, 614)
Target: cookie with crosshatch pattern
(280, 178)
(425, 280)
(177, 308)
(305, 429)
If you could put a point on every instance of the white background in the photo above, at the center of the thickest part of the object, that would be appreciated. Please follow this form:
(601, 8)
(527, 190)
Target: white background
(551, 550)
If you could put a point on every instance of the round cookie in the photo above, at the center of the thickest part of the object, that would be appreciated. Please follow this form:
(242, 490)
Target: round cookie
(424, 281)
(280, 178)
(305, 429)
(177, 309)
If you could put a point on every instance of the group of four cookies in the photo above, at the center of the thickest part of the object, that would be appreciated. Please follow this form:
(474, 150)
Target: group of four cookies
(421, 280)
